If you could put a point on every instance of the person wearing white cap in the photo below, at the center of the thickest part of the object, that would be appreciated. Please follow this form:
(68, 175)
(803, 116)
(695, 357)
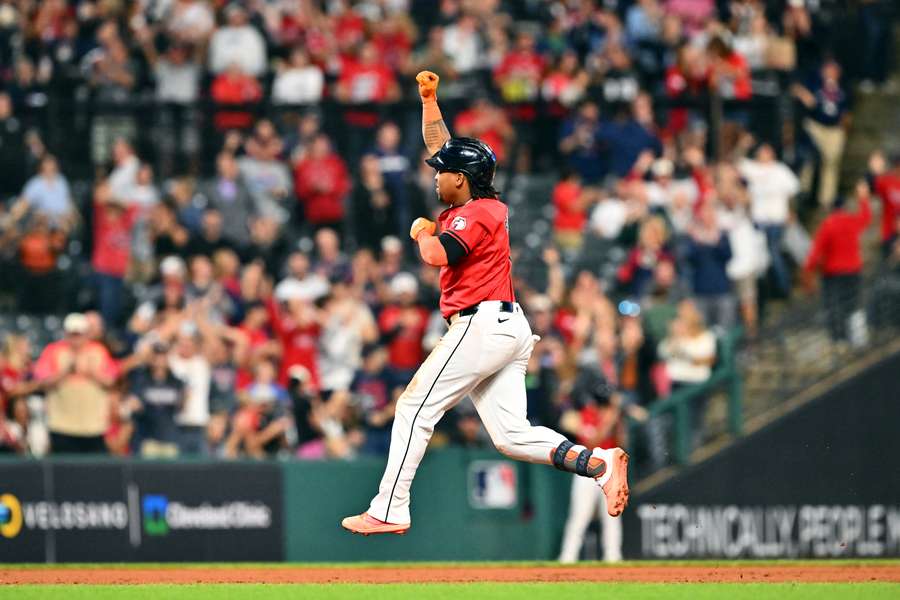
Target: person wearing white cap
(77, 373)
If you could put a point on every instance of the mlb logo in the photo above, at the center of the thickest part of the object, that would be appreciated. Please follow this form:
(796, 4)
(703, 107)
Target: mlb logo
(493, 484)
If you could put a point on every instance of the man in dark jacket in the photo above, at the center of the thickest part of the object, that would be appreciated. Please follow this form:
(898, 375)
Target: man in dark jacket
(709, 252)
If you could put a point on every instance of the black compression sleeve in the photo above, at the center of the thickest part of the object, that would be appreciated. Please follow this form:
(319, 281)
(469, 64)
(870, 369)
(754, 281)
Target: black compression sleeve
(455, 251)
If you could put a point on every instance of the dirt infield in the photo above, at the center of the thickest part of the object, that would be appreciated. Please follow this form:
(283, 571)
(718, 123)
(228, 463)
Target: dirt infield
(689, 573)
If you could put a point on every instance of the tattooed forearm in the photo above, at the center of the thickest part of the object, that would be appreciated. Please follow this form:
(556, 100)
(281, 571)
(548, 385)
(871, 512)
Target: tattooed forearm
(435, 133)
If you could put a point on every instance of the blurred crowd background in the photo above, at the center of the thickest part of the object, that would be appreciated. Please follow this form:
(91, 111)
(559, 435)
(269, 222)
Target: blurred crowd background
(204, 206)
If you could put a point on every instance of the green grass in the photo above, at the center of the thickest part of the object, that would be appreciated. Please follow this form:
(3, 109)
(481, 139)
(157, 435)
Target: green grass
(438, 591)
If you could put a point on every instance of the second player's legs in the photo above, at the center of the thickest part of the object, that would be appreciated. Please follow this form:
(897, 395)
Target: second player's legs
(586, 499)
(612, 532)
(583, 505)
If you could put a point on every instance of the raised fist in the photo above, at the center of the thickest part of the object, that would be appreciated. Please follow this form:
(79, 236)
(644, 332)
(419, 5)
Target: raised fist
(428, 84)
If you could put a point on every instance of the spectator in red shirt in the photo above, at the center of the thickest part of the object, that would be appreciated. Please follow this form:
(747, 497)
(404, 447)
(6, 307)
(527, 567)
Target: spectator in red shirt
(402, 323)
(730, 78)
(235, 88)
(686, 79)
(571, 201)
(887, 187)
(113, 224)
(518, 77)
(260, 346)
(836, 252)
(296, 325)
(364, 82)
(489, 124)
(321, 182)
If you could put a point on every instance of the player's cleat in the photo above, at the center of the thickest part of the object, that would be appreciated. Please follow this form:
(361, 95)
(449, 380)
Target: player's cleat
(366, 524)
(616, 487)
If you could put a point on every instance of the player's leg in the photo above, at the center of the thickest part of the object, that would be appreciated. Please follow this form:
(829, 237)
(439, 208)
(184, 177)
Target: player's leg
(501, 403)
(582, 508)
(442, 380)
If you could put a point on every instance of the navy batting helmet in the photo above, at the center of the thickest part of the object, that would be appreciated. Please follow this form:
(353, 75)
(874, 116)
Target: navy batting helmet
(468, 156)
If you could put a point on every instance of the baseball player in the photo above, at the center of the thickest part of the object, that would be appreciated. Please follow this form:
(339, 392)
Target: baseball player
(597, 422)
(485, 351)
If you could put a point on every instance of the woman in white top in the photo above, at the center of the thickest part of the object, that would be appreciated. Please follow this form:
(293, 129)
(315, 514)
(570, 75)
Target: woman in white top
(689, 353)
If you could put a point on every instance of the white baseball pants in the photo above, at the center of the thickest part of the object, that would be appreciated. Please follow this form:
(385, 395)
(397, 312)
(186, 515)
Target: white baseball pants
(483, 356)
(586, 500)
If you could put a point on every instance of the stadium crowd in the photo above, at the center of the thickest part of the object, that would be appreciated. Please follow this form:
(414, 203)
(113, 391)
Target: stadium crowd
(235, 265)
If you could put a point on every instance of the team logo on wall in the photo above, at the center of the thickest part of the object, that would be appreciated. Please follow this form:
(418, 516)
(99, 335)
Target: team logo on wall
(10, 516)
(493, 484)
(458, 224)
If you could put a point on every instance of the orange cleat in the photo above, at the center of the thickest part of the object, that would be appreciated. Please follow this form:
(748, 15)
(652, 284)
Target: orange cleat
(616, 488)
(366, 524)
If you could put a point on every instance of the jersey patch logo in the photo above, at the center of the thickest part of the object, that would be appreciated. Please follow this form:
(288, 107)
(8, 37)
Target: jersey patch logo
(458, 224)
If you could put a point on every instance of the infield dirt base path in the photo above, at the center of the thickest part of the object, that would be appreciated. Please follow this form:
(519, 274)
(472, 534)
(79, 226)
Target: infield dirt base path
(699, 573)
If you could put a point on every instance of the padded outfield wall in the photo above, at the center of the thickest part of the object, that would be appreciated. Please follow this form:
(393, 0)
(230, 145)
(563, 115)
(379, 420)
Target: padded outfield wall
(824, 481)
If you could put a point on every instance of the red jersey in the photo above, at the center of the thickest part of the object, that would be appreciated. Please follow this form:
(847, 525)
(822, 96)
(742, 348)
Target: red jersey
(594, 419)
(405, 347)
(836, 245)
(887, 187)
(112, 240)
(481, 226)
(570, 215)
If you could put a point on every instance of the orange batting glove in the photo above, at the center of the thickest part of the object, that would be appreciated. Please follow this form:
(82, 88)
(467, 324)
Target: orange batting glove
(428, 84)
(421, 225)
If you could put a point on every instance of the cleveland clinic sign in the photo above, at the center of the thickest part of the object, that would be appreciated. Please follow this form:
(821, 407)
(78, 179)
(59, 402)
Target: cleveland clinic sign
(688, 531)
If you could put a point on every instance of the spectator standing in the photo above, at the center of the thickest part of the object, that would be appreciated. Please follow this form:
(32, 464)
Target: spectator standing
(113, 226)
(260, 426)
(237, 42)
(112, 77)
(38, 287)
(156, 396)
(581, 146)
(77, 374)
(188, 363)
(689, 353)
(375, 392)
(887, 187)
(771, 185)
(373, 206)
(177, 74)
(402, 323)
(837, 254)
(298, 81)
(827, 117)
(321, 181)
(709, 252)
(571, 202)
(236, 89)
(229, 195)
(636, 273)
(48, 193)
(364, 83)
(348, 325)
(395, 169)
(266, 176)
(487, 122)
